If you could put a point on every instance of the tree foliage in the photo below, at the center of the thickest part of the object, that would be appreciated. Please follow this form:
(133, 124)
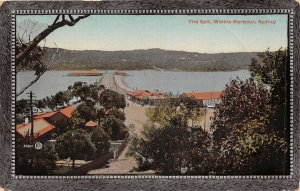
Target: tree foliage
(247, 128)
(241, 101)
(116, 113)
(114, 127)
(251, 149)
(37, 162)
(244, 142)
(101, 140)
(173, 147)
(22, 106)
(111, 99)
(29, 54)
(271, 69)
(162, 114)
(76, 145)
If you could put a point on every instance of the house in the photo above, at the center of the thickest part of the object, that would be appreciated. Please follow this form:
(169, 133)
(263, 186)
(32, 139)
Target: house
(90, 125)
(41, 129)
(62, 116)
(207, 99)
(139, 96)
(147, 97)
(44, 115)
(59, 118)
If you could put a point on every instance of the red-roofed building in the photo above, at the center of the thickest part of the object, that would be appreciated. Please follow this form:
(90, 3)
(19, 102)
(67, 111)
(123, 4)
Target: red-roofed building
(68, 111)
(147, 97)
(91, 124)
(62, 117)
(40, 128)
(44, 115)
(208, 99)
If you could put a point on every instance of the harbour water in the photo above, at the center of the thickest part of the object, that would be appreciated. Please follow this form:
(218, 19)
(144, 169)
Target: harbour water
(50, 83)
(176, 82)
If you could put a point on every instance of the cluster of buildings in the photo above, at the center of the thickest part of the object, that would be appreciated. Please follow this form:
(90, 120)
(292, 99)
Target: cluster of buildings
(45, 123)
(145, 97)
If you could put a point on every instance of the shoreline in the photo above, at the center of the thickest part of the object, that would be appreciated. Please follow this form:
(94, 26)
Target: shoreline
(119, 81)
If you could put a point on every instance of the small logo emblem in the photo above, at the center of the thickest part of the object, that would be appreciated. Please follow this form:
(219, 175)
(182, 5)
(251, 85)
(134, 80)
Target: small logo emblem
(183, 170)
(38, 145)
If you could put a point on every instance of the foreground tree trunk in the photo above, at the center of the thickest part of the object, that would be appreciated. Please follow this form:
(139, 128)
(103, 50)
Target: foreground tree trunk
(32, 44)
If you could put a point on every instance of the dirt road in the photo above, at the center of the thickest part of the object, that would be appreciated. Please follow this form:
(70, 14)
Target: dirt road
(135, 120)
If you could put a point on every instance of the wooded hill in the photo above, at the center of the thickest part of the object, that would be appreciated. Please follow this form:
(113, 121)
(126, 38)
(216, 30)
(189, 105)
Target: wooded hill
(148, 59)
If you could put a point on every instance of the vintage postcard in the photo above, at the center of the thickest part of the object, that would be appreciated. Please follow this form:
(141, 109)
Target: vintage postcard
(166, 95)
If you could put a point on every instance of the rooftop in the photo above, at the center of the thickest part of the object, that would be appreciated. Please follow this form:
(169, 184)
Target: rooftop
(204, 95)
(68, 111)
(140, 94)
(91, 124)
(43, 115)
(40, 127)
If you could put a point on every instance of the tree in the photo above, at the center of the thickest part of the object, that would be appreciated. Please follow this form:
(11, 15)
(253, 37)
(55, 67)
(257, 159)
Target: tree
(116, 113)
(101, 141)
(162, 114)
(271, 69)
(50, 103)
(59, 99)
(111, 99)
(56, 24)
(25, 30)
(22, 106)
(240, 101)
(243, 141)
(84, 92)
(76, 145)
(114, 127)
(173, 147)
(84, 112)
(43, 160)
(41, 104)
(251, 149)
(29, 54)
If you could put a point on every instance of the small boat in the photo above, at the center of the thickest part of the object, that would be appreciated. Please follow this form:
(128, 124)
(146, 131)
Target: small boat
(85, 73)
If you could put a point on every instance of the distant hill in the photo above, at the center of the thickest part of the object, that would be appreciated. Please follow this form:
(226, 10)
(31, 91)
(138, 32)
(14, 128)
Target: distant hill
(149, 59)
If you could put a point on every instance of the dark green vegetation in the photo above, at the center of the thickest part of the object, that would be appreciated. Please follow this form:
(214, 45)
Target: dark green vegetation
(168, 144)
(74, 140)
(76, 145)
(249, 134)
(35, 162)
(146, 59)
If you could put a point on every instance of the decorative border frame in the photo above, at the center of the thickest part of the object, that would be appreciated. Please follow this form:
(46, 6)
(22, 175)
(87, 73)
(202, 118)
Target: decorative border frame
(294, 109)
(154, 12)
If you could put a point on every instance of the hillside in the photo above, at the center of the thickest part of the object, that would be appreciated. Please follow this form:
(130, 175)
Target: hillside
(148, 59)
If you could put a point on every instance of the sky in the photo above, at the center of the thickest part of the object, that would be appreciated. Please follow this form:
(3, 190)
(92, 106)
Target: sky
(131, 32)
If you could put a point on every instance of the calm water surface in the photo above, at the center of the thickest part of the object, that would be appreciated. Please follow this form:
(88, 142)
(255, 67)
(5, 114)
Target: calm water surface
(167, 81)
(179, 82)
(50, 83)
